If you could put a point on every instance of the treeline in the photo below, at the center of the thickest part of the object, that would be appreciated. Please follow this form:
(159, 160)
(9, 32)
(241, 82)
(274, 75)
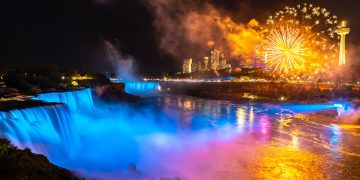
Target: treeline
(46, 79)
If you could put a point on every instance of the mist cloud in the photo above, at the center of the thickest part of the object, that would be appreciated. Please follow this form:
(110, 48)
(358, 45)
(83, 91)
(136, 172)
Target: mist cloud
(123, 64)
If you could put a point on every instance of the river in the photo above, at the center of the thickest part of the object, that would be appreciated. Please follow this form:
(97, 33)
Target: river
(192, 138)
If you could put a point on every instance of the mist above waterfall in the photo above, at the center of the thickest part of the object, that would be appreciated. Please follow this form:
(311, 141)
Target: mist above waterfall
(123, 65)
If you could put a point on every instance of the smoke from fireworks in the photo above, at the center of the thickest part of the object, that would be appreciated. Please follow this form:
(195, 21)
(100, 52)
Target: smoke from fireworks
(189, 29)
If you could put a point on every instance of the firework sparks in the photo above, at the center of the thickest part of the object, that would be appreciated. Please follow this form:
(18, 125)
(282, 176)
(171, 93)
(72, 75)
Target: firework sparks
(300, 38)
(286, 48)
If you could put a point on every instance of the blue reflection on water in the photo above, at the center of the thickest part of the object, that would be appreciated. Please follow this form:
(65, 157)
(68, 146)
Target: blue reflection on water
(335, 136)
(306, 108)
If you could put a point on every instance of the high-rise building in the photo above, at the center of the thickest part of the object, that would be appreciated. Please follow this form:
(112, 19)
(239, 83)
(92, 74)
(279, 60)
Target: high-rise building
(187, 66)
(194, 67)
(214, 59)
(222, 61)
(200, 67)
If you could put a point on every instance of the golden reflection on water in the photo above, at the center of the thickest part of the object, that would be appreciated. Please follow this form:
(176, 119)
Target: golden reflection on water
(240, 118)
(289, 163)
(292, 146)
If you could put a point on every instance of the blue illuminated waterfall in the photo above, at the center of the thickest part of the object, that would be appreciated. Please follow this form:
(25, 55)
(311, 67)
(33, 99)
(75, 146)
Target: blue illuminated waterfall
(81, 99)
(48, 129)
(142, 87)
(45, 129)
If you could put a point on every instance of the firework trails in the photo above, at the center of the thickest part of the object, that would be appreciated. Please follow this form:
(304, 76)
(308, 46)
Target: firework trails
(300, 38)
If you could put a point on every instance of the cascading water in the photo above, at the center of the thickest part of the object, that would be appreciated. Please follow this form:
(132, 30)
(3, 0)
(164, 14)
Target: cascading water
(49, 129)
(76, 100)
(142, 87)
(45, 129)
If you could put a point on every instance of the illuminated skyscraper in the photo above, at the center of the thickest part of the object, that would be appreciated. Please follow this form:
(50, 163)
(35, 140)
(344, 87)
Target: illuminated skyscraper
(200, 67)
(342, 31)
(194, 67)
(187, 66)
(214, 59)
(222, 61)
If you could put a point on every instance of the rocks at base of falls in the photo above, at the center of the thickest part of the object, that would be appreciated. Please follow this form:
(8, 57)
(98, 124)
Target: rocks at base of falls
(113, 93)
(23, 164)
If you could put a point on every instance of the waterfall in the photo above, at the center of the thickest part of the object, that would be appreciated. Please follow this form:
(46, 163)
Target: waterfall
(142, 87)
(75, 100)
(46, 129)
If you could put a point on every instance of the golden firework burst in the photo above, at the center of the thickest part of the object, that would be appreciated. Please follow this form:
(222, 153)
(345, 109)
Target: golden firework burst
(300, 38)
(286, 48)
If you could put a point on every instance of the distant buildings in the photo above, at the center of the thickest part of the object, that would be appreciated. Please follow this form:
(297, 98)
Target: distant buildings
(214, 59)
(187, 66)
(217, 61)
(258, 60)
(223, 64)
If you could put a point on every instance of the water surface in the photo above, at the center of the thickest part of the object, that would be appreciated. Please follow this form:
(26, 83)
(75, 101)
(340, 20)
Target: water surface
(192, 138)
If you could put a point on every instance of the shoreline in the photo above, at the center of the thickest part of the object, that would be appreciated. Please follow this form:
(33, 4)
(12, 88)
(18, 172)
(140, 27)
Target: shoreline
(266, 92)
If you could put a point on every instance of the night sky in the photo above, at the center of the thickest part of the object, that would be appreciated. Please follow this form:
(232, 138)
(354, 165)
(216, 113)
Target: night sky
(70, 33)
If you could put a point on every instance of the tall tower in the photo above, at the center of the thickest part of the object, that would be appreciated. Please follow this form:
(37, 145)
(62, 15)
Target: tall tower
(342, 31)
(206, 62)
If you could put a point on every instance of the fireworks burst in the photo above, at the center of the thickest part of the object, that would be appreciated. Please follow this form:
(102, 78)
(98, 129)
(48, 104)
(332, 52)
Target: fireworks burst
(286, 48)
(300, 38)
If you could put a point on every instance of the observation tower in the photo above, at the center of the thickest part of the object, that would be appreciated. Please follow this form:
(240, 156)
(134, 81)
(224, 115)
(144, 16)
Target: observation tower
(342, 32)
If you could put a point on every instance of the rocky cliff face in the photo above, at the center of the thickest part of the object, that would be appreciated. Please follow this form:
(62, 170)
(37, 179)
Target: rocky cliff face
(23, 164)
(113, 93)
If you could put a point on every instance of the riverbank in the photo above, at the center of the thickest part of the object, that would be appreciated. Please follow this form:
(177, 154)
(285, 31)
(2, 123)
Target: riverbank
(264, 91)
